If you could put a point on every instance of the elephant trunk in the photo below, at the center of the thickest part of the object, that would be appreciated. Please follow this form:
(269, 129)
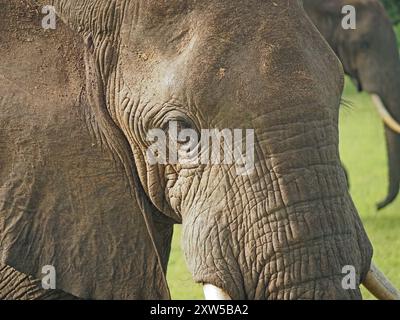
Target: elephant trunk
(392, 133)
(269, 250)
(375, 282)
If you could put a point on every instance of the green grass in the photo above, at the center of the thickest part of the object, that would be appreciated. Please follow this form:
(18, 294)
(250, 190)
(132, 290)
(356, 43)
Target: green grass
(179, 279)
(397, 30)
(362, 149)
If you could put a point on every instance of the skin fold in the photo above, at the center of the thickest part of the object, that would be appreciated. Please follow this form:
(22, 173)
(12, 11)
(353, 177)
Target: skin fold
(370, 57)
(76, 189)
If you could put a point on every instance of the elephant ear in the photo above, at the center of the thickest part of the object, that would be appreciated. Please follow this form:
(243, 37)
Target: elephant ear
(69, 192)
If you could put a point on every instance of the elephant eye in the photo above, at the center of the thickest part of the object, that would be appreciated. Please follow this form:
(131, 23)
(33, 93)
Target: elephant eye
(365, 45)
(179, 128)
(176, 124)
(182, 138)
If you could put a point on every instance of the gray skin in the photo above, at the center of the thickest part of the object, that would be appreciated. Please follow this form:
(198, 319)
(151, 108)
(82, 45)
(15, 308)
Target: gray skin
(76, 189)
(370, 57)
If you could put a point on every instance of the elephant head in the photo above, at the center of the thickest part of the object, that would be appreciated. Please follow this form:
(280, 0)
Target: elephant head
(283, 230)
(370, 57)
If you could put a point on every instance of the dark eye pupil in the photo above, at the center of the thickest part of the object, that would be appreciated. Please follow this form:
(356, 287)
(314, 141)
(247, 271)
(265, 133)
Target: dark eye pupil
(364, 45)
(182, 125)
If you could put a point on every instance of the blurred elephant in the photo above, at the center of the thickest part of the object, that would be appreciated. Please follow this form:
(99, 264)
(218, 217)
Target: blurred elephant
(370, 56)
(79, 194)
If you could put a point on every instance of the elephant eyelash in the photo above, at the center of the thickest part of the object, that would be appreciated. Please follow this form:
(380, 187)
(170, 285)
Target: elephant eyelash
(346, 103)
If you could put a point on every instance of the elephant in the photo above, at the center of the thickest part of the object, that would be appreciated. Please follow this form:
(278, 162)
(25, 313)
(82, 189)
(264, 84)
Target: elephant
(79, 194)
(370, 57)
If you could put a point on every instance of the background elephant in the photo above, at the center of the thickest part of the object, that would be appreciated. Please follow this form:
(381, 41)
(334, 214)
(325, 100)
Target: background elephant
(78, 192)
(369, 55)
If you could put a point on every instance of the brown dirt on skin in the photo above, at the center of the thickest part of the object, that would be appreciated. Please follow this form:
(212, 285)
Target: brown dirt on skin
(18, 28)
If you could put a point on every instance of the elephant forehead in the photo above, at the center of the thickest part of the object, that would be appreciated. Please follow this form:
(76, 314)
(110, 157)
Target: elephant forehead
(165, 21)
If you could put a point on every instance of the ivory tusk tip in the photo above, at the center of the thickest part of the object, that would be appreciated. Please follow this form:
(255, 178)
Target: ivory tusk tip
(379, 285)
(212, 292)
(385, 115)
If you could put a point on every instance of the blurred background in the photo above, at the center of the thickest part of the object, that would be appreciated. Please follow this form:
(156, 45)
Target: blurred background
(363, 152)
(393, 8)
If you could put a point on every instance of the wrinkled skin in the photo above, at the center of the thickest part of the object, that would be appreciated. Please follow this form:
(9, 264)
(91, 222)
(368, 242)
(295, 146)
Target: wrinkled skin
(370, 57)
(283, 232)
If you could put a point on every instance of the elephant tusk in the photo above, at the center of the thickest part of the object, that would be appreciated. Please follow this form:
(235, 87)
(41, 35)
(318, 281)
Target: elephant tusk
(384, 114)
(377, 283)
(214, 293)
